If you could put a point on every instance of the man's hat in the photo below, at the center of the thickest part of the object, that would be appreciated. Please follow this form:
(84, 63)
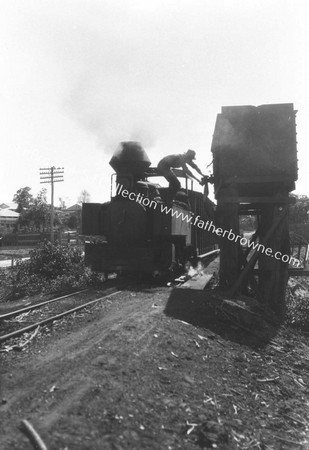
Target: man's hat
(191, 153)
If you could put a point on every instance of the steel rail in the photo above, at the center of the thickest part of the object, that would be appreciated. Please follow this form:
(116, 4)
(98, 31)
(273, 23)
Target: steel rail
(37, 305)
(51, 319)
(211, 253)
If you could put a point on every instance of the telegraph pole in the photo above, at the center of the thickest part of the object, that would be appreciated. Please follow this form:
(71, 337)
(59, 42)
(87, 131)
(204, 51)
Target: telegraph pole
(53, 175)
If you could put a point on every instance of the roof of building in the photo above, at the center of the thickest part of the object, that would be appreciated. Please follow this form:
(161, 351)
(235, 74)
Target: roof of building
(8, 213)
(75, 207)
(8, 205)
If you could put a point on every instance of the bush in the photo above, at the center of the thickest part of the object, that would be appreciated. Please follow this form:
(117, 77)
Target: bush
(51, 261)
(297, 304)
(50, 268)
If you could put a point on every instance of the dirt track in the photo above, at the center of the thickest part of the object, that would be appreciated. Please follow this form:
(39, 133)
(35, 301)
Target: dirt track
(125, 375)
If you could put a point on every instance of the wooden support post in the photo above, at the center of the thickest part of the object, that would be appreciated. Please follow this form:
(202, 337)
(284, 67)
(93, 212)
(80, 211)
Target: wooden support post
(299, 250)
(273, 272)
(306, 256)
(227, 218)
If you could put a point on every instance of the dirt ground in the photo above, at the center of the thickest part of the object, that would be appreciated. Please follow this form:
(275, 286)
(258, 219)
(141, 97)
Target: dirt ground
(154, 368)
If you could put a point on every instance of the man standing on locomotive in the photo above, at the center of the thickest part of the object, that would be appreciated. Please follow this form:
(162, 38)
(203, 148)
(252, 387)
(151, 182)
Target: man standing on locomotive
(170, 162)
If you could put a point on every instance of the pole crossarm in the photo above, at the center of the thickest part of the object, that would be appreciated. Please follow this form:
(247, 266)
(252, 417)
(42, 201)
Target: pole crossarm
(50, 168)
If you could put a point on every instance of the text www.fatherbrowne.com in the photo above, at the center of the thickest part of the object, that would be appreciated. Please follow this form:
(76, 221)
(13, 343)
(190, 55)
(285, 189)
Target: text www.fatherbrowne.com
(207, 226)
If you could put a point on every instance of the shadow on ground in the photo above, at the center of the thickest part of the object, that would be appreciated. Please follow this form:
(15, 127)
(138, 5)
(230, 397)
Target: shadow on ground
(213, 312)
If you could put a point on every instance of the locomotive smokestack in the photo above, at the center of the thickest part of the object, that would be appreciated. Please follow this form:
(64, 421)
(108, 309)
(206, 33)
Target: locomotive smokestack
(130, 157)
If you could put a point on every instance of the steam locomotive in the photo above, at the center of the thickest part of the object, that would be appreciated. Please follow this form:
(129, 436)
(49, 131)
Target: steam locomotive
(140, 229)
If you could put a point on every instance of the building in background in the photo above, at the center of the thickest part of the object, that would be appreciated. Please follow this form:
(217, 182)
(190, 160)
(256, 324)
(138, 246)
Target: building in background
(8, 217)
(9, 205)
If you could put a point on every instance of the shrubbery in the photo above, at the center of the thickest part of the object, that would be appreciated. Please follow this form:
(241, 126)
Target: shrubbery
(51, 268)
(298, 304)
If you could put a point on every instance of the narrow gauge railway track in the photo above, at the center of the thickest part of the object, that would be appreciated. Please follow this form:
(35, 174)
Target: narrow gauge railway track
(17, 312)
(109, 292)
(51, 318)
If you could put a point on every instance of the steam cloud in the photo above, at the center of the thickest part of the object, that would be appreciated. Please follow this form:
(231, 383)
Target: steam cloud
(101, 102)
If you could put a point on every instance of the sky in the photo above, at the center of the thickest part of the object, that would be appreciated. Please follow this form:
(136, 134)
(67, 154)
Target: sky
(79, 76)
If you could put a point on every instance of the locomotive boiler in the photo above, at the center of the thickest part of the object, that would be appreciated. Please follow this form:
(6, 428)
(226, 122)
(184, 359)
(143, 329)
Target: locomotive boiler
(139, 230)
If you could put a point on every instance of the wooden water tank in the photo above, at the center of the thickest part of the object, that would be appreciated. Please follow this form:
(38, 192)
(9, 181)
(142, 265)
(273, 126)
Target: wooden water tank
(255, 147)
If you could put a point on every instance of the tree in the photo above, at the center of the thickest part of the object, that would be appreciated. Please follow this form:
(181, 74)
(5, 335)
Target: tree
(33, 210)
(38, 211)
(247, 222)
(58, 221)
(299, 211)
(72, 221)
(84, 197)
(62, 203)
(23, 198)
